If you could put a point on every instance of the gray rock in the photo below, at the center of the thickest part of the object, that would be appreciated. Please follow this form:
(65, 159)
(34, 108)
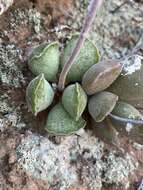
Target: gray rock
(4, 5)
(77, 157)
(141, 186)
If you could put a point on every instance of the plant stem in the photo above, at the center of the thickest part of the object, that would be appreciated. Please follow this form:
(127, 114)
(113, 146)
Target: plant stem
(127, 120)
(91, 13)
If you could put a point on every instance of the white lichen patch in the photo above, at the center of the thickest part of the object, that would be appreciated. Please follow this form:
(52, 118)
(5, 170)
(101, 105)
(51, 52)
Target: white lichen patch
(129, 127)
(4, 106)
(136, 84)
(2, 124)
(35, 18)
(15, 120)
(10, 71)
(4, 5)
(141, 186)
(77, 157)
(117, 169)
(26, 17)
(138, 146)
(47, 161)
(132, 65)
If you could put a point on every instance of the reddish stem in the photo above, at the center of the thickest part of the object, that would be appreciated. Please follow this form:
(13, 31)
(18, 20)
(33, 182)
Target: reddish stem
(91, 13)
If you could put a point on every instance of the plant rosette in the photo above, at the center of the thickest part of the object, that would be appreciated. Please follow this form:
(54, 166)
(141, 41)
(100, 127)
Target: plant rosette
(109, 91)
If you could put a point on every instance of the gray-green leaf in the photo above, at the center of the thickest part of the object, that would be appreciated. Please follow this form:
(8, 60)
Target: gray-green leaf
(129, 85)
(87, 57)
(100, 76)
(39, 94)
(125, 110)
(101, 104)
(45, 59)
(59, 122)
(74, 100)
(128, 121)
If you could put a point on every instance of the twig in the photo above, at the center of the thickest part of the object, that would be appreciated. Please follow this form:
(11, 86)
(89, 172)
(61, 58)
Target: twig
(120, 6)
(127, 120)
(91, 13)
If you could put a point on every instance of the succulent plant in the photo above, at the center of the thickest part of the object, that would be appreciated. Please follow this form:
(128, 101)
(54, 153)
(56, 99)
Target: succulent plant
(45, 59)
(129, 85)
(110, 88)
(125, 110)
(100, 76)
(74, 100)
(128, 121)
(39, 94)
(88, 56)
(101, 104)
(61, 123)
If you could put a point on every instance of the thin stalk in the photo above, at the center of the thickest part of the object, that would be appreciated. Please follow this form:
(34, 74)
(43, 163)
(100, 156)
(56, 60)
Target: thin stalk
(127, 120)
(91, 13)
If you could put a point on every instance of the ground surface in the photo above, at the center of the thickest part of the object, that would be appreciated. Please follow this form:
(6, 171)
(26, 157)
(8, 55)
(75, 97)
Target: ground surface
(31, 159)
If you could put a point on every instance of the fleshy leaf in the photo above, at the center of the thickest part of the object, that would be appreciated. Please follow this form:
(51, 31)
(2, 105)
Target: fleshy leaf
(39, 94)
(87, 57)
(125, 110)
(59, 122)
(45, 59)
(128, 121)
(100, 76)
(129, 85)
(74, 100)
(101, 104)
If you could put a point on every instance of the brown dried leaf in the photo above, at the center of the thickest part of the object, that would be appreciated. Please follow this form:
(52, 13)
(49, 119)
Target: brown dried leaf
(100, 76)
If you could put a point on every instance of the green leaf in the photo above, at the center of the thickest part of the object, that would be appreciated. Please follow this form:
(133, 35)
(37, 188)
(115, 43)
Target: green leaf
(129, 85)
(45, 59)
(74, 100)
(100, 76)
(39, 94)
(59, 122)
(101, 104)
(128, 121)
(87, 57)
(125, 110)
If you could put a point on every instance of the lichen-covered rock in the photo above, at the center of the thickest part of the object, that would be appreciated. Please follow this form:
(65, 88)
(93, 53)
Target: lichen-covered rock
(10, 70)
(76, 160)
(140, 186)
(112, 43)
(4, 5)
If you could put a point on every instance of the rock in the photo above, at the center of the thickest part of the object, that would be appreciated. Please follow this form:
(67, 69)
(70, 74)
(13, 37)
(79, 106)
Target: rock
(76, 160)
(4, 5)
(141, 186)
